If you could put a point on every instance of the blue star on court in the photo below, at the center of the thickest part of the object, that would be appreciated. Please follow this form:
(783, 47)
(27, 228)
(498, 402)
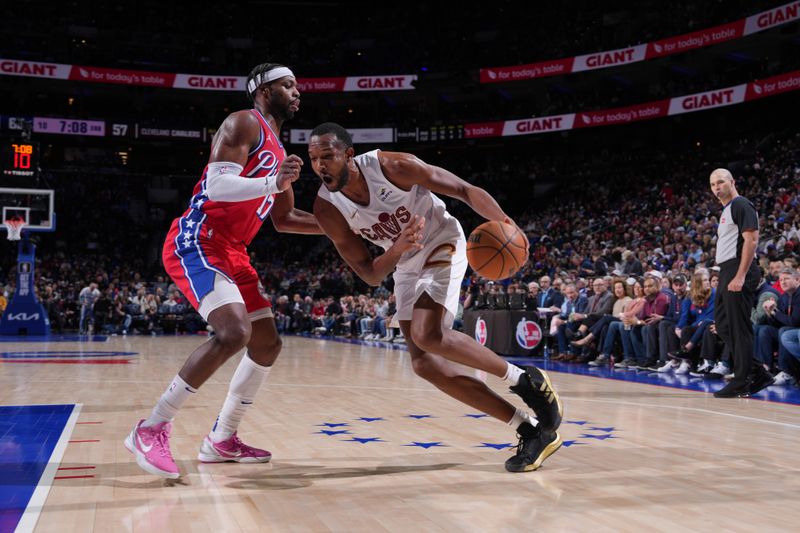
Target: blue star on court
(331, 425)
(418, 417)
(426, 445)
(578, 422)
(568, 443)
(496, 446)
(369, 419)
(608, 429)
(330, 432)
(364, 440)
(598, 437)
(475, 415)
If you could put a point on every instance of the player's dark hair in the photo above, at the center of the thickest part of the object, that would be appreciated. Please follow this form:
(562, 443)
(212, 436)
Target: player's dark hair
(258, 70)
(334, 128)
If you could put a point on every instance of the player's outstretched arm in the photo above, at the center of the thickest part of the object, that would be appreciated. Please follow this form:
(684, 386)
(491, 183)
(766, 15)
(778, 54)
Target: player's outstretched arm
(355, 252)
(406, 170)
(288, 219)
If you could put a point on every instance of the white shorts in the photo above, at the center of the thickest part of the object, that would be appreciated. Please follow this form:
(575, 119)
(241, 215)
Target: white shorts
(226, 292)
(440, 275)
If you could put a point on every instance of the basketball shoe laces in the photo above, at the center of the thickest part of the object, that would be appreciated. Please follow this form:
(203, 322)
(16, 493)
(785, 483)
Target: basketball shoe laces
(243, 448)
(521, 443)
(161, 437)
(535, 397)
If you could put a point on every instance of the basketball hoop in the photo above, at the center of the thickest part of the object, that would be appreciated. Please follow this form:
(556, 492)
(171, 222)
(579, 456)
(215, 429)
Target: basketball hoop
(14, 228)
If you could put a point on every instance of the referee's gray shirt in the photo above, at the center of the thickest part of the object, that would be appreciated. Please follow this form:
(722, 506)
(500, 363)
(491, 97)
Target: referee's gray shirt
(738, 216)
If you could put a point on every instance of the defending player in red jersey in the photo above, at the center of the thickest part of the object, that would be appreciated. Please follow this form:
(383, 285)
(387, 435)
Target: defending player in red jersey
(247, 179)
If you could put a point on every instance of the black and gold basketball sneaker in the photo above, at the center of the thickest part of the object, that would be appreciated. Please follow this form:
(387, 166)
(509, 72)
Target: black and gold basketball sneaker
(535, 445)
(537, 392)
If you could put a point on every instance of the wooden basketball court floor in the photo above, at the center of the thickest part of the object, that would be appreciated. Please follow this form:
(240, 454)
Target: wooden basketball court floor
(360, 443)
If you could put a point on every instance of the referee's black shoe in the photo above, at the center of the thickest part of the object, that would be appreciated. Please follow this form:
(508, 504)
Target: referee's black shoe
(759, 379)
(537, 392)
(535, 445)
(734, 389)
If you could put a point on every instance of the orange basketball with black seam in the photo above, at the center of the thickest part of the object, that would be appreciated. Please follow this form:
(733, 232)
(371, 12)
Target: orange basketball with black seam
(496, 250)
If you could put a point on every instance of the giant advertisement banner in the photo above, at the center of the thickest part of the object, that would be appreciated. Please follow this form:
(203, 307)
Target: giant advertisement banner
(678, 105)
(672, 45)
(689, 103)
(203, 82)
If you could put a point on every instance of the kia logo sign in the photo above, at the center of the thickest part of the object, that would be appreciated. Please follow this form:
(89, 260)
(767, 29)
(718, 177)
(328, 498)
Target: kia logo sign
(25, 317)
(529, 334)
(481, 333)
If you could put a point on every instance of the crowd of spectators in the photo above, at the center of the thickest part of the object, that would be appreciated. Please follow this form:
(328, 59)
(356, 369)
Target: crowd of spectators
(625, 272)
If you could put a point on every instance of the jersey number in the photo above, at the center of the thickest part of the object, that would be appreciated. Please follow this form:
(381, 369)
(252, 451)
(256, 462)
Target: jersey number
(266, 206)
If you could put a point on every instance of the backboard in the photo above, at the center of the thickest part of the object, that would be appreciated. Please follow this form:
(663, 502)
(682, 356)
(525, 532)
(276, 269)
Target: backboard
(34, 206)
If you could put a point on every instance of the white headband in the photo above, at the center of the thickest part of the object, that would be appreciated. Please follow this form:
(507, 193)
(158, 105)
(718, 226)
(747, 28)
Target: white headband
(268, 76)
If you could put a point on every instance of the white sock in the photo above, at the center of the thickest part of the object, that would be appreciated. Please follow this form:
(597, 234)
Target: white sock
(244, 386)
(513, 372)
(170, 402)
(521, 416)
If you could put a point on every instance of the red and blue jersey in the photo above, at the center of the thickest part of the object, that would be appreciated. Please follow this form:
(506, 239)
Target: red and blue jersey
(209, 239)
(239, 222)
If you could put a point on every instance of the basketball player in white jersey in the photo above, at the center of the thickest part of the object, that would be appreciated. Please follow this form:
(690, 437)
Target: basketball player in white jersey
(387, 198)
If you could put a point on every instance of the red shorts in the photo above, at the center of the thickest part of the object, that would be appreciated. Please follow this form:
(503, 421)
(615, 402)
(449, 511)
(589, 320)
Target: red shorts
(194, 256)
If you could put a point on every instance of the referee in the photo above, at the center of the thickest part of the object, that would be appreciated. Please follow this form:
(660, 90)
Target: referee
(739, 276)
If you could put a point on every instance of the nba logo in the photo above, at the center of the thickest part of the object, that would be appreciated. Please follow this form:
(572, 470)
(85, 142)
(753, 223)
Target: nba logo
(529, 334)
(480, 331)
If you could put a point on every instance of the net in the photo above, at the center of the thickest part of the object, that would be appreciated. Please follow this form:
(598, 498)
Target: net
(14, 228)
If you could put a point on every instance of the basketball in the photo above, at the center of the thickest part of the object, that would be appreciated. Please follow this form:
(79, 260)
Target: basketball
(496, 250)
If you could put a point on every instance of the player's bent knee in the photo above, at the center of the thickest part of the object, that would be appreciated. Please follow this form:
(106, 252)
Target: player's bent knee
(234, 336)
(266, 354)
(429, 339)
(275, 347)
(425, 367)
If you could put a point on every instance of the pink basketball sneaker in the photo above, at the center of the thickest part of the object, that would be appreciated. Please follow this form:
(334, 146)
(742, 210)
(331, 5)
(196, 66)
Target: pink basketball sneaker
(231, 449)
(150, 446)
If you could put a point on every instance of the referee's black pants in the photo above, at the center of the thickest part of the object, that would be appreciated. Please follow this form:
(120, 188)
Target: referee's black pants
(732, 316)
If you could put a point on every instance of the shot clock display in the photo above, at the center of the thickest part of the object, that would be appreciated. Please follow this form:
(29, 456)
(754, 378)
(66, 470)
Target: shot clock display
(20, 158)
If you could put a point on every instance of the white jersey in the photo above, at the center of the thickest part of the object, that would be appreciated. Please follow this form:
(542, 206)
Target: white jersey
(391, 208)
(438, 268)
